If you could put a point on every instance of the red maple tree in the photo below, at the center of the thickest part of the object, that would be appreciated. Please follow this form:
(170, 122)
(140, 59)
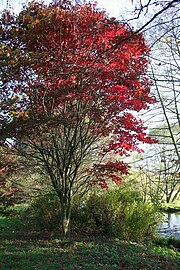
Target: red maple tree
(70, 94)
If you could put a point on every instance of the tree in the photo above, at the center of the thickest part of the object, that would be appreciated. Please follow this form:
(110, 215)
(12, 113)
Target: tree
(159, 174)
(69, 95)
(161, 179)
(165, 76)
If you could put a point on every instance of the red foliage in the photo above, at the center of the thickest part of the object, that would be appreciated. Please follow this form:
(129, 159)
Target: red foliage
(110, 170)
(65, 72)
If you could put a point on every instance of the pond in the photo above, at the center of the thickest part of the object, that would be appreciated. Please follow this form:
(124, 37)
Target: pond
(170, 226)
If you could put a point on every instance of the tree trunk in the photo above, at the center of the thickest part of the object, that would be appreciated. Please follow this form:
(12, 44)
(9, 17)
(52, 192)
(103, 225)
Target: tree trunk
(65, 219)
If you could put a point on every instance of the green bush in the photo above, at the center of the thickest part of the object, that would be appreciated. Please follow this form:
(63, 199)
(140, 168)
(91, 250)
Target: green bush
(43, 214)
(120, 213)
(94, 214)
(136, 221)
(9, 196)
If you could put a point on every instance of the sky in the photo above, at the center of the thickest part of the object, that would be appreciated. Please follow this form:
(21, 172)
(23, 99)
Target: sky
(115, 8)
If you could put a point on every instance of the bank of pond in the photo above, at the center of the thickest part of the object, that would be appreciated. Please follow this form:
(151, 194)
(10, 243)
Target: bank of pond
(170, 226)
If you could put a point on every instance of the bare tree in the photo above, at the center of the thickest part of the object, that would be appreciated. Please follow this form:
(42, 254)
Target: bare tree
(159, 169)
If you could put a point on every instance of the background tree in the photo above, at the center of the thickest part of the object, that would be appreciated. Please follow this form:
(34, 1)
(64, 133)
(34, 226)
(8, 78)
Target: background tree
(162, 178)
(69, 95)
(159, 175)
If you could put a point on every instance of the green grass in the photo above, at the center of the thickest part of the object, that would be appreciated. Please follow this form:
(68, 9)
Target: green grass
(32, 250)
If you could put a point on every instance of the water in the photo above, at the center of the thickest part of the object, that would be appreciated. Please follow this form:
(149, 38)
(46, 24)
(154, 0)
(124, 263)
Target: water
(170, 226)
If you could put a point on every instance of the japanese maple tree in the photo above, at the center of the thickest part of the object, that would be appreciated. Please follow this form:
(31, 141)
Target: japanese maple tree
(69, 94)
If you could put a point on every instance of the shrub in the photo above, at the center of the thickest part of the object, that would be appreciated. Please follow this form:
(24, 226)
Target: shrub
(136, 221)
(10, 194)
(8, 198)
(120, 213)
(43, 214)
(94, 214)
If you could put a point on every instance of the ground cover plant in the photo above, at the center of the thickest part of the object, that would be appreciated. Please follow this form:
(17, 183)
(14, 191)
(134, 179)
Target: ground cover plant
(167, 242)
(31, 250)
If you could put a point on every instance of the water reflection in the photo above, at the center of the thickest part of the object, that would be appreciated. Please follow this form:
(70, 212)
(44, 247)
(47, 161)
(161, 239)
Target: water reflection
(170, 226)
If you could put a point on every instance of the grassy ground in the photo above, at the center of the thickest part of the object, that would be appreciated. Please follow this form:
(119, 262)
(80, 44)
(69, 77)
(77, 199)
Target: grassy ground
(29, 250)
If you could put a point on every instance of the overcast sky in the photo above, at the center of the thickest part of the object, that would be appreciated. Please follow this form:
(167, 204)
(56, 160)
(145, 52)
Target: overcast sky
(115, 8)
